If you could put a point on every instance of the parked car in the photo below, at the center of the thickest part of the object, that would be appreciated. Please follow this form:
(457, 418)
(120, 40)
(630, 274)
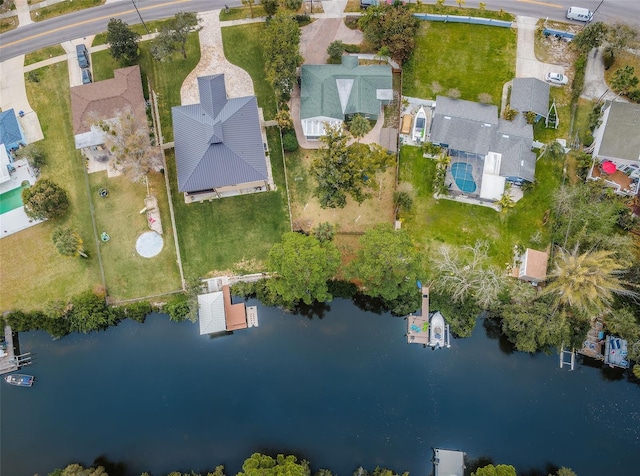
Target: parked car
(86, 76)
(83, 56)
(556, 78)
(364, 4)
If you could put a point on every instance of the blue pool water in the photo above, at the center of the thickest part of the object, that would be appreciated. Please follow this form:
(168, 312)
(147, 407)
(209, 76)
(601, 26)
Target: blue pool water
(462, 175)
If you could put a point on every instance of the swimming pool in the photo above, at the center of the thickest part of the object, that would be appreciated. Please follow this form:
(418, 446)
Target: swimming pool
(464, 178)
(11, 200)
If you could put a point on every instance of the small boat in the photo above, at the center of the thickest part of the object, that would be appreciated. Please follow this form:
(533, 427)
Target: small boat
(20, 380)
(419, 125)
(438, 332)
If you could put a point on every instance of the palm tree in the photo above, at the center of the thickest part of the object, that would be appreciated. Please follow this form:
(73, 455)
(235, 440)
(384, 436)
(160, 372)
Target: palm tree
(586, 283)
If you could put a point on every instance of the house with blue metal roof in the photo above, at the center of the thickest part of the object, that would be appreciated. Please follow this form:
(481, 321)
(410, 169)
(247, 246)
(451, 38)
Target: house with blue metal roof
(333, 93)
(11, 134)
(219, 146)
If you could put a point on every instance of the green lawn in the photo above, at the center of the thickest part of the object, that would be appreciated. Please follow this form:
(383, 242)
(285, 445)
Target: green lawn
(240, 13)
(63, 8)
(234, 233)
(43, 54)
(8, 24)
(433, 222)
(473, 59)
(32, 271)
(128, 274)
(243, 46)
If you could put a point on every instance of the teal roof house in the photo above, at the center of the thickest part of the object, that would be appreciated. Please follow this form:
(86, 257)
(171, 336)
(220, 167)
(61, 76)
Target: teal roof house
(332, 93)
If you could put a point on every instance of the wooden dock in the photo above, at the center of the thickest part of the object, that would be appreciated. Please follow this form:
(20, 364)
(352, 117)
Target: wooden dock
(418, 325)
(593, 343)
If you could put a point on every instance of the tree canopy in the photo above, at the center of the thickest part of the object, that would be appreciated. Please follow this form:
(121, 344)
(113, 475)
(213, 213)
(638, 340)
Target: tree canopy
(45, 200)
(174, 34)
(498, 470)
(123, 41)
(585, 283)
(68, 242)
(282, 53)
(388, 263)
(342, 170)
(262, 465)
(591, 36)
(128, 141)
(392, 27)
(302, 266)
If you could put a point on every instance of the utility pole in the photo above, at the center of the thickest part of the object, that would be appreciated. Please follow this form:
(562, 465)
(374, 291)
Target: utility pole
(140, 16)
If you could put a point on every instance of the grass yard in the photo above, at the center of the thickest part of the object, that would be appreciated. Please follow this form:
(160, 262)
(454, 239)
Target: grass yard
(43, 54)
(353, 218)
(241, 13)
(622, 59)
(473, 59)
(128, 274)
(243, 46)
(433, 222)
(8, 24)
(101, 38)
(232, 234)
(63, 8)
(33, 272)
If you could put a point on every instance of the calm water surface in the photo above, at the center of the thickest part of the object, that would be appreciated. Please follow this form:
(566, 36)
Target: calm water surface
(340, 391)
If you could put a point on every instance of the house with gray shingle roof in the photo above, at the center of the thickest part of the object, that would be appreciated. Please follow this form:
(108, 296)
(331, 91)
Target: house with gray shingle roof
(530, 94)
(333, 93)
(617, 140)
(491, 151)
(219, 146)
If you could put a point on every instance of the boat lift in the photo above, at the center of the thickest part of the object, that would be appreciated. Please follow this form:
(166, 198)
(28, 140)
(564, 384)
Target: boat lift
(569, 360)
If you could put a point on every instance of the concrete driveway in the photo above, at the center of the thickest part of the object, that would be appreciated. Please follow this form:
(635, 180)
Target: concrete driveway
(13, 94)
(527, 66)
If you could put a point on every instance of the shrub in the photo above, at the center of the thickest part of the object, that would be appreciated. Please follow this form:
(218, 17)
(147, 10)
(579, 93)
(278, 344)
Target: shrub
(289, 141)
(351, 48)
(178, 308)
(634, 95)
(137, 311)
(530, 116)
(335, 50)
(608, 57)
(293, 5)
(509, 114)
(303, 19)
(45, 200)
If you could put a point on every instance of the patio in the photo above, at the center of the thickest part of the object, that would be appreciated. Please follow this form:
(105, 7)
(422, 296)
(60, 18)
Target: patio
(623, 177)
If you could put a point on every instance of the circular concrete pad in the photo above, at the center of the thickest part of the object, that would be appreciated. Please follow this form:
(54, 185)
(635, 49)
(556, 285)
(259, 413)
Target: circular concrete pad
(149, 244)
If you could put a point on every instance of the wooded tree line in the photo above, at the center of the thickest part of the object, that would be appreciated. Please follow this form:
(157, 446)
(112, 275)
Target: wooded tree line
(288, 465)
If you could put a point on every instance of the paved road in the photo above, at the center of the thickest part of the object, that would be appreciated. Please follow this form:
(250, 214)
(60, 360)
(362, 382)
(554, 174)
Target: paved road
(94, 20)
(79, 24)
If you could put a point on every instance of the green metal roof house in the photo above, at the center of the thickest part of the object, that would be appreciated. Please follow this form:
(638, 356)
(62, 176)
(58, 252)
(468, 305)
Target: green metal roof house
(333, 93)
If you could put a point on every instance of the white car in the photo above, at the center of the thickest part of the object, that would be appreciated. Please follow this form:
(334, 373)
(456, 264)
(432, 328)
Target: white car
(556, 78)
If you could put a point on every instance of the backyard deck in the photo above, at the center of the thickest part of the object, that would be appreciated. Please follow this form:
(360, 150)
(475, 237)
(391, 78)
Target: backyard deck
(592, 345)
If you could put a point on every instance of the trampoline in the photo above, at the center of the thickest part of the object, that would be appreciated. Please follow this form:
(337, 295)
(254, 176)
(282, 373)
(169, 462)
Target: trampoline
(462, 174)
(149, 244)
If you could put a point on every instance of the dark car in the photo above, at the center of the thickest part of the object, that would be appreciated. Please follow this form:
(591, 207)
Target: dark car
(86, 76)
(83, 56)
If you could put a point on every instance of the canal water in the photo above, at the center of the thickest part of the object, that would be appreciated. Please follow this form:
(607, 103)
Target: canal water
(342, 390)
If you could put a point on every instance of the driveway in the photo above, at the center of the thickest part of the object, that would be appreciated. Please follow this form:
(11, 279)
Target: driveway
(212, 61)
(13, 94)
(527, 66)
(595, 87)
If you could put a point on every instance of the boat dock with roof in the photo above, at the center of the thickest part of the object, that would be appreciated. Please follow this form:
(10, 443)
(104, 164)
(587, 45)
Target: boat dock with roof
(448, 462)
